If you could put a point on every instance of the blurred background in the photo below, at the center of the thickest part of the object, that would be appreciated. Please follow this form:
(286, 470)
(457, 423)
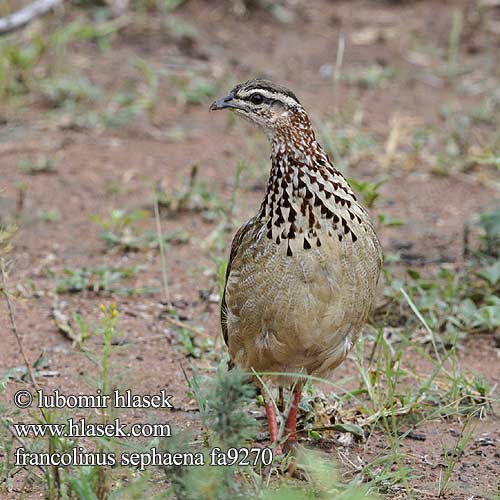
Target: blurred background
(121, 188)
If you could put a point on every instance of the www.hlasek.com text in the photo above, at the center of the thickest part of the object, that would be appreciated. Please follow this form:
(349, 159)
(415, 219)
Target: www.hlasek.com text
(73, 428)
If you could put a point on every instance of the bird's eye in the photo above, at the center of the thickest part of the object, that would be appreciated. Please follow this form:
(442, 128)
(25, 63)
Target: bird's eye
(257, 99)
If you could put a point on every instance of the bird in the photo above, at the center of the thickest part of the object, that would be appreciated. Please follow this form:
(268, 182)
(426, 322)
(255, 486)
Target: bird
(302, 274)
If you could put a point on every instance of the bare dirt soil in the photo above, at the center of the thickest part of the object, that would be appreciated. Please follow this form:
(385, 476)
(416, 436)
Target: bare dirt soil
(100, 169)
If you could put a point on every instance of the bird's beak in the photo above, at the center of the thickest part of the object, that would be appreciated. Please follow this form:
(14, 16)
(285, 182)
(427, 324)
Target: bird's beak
(224, 103)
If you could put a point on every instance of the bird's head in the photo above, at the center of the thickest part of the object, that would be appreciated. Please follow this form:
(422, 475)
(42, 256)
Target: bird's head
(268, 105)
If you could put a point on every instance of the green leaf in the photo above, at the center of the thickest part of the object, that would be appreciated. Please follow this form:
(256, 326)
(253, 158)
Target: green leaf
(490, 223)
(491, 273)
(353, 429)
(489, 316)
(413, 274)
(467, 310)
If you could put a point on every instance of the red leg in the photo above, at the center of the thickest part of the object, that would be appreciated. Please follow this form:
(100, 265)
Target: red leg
(273, 425)
(291, 421)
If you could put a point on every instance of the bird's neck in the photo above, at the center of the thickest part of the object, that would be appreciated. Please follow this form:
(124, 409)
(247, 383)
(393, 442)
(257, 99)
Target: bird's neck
(305, 193)
(301, 169)
(294, 136)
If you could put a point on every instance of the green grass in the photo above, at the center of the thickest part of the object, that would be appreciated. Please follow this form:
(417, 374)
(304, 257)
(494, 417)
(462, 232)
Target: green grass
(369, 77)
(99, 280)
(195, 89)
(368, 190)
(51, 215)
(346, 143)
(452, 456)
(455, 304)
(195, 195)
(122, 231)
(40, 166)
(68, 89)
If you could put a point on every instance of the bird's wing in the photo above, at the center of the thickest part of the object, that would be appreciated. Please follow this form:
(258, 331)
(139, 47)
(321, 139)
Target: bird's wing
(235, 245)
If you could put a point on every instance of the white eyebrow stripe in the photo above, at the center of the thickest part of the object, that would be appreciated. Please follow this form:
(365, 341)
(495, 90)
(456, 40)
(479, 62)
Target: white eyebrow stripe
(269, 95)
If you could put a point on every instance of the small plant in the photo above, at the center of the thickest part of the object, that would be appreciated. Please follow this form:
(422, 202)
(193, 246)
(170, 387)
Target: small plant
(180, 30)
(195, 89)
(490, 224)
(192, 341)
(75, 329)
(223, 402)
(387, 220)
(94, 481)
(121, 232)
(193, 196)
(119, 220)
(452, 456)
(370, 76)
(452, 303)
(368, 190)
(98, 280)
(51, 215)
(68, 90)
(17, 62)
(148, 89)
(41, 166)
(6, 235)
(344, 141)
(138, 99)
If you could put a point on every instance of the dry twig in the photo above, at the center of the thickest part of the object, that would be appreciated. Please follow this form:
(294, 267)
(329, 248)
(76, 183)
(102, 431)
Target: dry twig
(27, 14)
(13, 326)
